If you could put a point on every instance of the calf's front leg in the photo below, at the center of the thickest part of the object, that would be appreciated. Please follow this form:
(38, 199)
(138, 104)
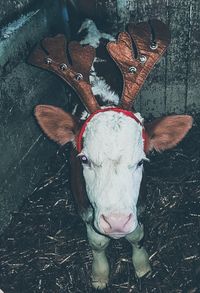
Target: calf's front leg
(140, 257)
(100, 266)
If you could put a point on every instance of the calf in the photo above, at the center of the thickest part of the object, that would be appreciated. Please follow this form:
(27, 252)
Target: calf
(110, 146)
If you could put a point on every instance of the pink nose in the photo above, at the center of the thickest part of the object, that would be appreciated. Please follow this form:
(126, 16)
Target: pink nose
(116, 223)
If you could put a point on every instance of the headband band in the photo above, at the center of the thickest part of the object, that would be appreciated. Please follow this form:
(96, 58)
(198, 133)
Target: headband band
(79, 142)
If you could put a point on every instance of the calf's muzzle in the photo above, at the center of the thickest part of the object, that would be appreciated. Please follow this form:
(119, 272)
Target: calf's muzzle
(116, 225)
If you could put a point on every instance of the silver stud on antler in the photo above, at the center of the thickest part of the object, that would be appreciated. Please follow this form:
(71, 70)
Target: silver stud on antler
(48, 60)
(63, 66)
(79, 76)
(132, 69)
(153, 46)
(143, 59)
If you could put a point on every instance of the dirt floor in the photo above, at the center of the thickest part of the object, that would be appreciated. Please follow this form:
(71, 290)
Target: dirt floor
(45, 248)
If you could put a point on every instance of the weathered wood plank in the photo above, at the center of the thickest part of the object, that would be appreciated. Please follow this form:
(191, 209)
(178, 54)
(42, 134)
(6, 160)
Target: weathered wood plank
(9, 9)
(125, 9)
(107, 12)
(193, 73)
(21, 88)
(152, 95)
(148, 9)
(176, 74)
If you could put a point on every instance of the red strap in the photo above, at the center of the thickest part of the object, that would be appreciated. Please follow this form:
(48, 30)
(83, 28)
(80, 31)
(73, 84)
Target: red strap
(125, 112)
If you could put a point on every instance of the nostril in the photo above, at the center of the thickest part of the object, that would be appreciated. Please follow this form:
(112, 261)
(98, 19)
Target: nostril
(104, 224)
(128, 219)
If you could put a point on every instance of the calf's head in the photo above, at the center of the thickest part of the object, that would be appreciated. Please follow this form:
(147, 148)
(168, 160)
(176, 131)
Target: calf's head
(113, 148)
(113, 142)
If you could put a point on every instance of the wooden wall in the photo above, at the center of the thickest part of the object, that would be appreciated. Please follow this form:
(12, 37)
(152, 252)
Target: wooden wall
(174, 84)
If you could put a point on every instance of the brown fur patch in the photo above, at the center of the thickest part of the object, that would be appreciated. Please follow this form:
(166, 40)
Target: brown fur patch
(165, 133)
(56, 123)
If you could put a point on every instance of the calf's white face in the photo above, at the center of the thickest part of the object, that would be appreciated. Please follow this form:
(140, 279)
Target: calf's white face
(113, 146)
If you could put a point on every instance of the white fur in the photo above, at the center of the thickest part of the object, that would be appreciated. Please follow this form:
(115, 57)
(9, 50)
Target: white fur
(113, 144)
(101, 88)
(84, 115)
(93, 34)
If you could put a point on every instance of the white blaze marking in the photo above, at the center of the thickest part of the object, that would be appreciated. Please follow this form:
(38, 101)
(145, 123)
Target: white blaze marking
(113, 144)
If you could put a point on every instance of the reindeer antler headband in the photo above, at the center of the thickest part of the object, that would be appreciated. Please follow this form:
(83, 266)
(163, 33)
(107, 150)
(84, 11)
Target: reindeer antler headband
(135, 53)
(150, 40)
(52, 56)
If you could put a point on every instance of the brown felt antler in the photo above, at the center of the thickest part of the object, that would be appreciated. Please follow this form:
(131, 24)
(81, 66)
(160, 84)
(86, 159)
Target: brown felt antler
(52, 56)
(136, 53)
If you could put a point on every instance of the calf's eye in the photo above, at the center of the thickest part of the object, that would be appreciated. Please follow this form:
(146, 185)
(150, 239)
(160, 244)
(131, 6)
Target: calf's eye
(84, 160)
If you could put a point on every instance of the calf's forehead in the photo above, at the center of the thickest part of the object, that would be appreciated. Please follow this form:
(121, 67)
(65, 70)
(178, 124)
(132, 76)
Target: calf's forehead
(112, 135)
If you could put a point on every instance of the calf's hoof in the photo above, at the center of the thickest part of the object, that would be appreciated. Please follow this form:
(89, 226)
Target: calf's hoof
(143, 271)
(99, 283)
(100, 271)
(141, 262)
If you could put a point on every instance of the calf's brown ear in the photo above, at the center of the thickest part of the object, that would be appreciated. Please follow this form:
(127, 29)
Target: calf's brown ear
(56, 123)
(165, 133)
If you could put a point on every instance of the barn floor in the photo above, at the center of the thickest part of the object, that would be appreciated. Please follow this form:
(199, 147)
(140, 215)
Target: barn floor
(45, 250)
